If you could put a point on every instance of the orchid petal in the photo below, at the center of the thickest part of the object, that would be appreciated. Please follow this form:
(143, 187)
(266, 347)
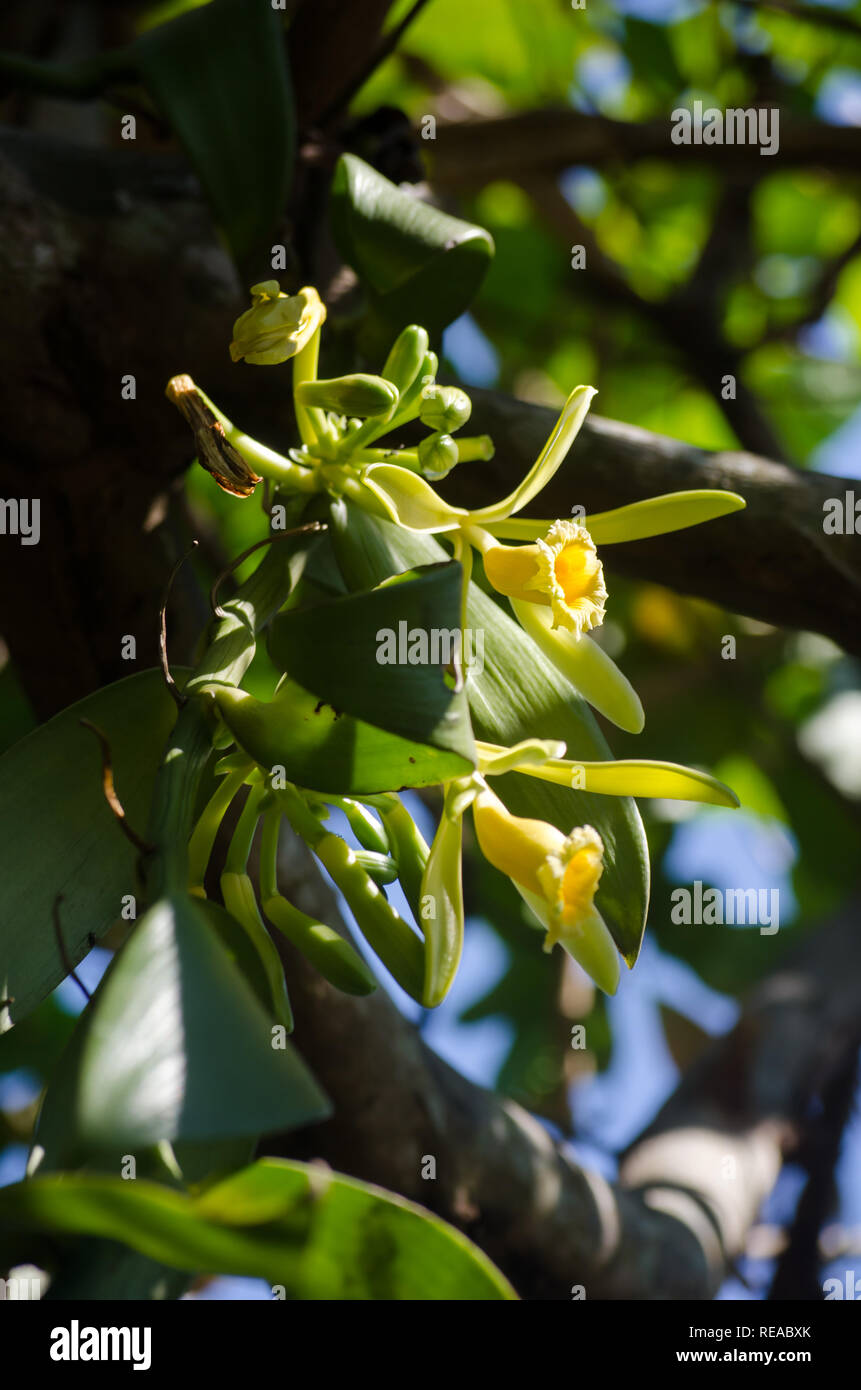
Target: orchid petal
(586, 665)
(532, 752)
(593, 948)
(654, 516)
(635, 777)
(409, 500)
(549, 460)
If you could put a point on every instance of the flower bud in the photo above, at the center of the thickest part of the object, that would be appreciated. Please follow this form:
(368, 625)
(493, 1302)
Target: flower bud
(359, 395)
(277, 325)
(444, 408)
(407, 355)
(437, 455)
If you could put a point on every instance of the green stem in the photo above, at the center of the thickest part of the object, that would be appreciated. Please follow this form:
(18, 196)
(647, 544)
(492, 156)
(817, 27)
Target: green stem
(386, 933)
(173, 804)
(404, 458)
(310, 421)
(201, 843)
(243, 835)
(269, 854)
(479, 446)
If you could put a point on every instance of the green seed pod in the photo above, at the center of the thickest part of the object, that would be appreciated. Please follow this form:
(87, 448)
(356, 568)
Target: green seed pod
(241, 902)
(246, 958)
(437, 455)
(358, 394)
(381, 867)
(337, 961)
(364, 825)
(444, 408)
(386, 933)
(409, 847)
(405, 360)
(442, 916)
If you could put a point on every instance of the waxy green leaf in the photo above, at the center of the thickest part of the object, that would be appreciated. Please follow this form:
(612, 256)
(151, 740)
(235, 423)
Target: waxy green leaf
(58, 836)
(173, 1045)
(384, 658)
(220, 76)
(417, 264)
(316, 1234)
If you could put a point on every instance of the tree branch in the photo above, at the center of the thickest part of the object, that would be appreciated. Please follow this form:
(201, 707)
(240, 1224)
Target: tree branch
(469, 154)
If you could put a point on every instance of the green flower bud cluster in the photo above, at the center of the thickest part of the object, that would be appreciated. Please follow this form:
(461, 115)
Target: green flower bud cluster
(355, 411)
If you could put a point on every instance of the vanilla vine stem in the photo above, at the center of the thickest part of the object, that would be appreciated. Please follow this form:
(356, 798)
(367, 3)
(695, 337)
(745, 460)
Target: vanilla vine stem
(226, 659)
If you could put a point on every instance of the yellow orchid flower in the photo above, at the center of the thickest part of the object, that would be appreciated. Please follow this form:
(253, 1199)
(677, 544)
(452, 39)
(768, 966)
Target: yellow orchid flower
(557, 876)
(277, 325)
(561, 571)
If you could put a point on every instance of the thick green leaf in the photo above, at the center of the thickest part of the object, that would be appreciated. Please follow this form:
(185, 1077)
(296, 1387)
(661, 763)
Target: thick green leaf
(418, 265)
(242, 950)
(174, 1045)
(220, 75)
(383, 659)
(519, 695)
(327, 751)
(58, 836)
(315, 1234)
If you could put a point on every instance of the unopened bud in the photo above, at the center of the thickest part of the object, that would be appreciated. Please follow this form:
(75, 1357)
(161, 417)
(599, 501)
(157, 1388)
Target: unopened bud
(437, 455)
(405, 360)
(277, 325)
(444, 408)
(358, 394)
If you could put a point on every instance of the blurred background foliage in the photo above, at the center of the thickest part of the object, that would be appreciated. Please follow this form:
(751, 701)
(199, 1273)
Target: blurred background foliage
(693, 269)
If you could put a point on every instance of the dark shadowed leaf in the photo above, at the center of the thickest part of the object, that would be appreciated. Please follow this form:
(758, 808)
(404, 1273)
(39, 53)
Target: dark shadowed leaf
(384, 657)
(220, 76)
(57, 835)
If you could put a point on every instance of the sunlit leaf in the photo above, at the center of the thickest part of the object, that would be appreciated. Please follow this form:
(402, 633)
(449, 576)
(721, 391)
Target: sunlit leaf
(418, 264)
(315, 1234)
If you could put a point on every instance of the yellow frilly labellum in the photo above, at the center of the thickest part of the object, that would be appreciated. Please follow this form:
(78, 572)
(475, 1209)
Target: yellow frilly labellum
(557, 875)
(561, 571)
(277, 325)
